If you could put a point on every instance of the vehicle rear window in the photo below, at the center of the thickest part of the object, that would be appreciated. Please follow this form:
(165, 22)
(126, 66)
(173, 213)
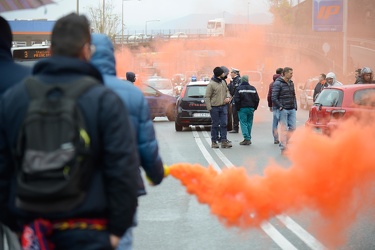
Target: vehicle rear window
(365, 97)
(160, 84)
(196, 91)
(330, 98)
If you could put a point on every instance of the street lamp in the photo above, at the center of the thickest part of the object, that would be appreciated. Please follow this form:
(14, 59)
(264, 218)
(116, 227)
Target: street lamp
(122, 20)
(149, 21)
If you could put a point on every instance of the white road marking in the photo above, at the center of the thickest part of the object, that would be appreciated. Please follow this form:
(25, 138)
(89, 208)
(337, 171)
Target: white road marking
(267, 227)
(310, 240)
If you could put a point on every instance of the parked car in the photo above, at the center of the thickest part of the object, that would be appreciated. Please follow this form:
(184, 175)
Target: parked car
(164, 85)
(256, 79)
(179, 35)
(160, 104)
(335, 104)
(191, 107)
(306, 93)
(139, 37)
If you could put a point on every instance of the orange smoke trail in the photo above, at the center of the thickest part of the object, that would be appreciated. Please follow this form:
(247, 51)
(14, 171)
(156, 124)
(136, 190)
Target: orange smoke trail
(330, 175)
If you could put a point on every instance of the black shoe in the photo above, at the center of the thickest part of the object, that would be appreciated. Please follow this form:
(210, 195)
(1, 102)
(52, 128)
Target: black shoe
(245, 142)
(234, 131)
(276, 142)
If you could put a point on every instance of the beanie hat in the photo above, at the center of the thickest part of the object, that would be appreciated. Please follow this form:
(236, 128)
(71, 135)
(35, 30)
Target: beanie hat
(130, 76)
(6, 36)
(245, 78)
(218, 71)
(225, 69)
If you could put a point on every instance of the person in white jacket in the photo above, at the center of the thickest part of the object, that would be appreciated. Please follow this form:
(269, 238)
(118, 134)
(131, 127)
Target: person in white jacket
(331, 80)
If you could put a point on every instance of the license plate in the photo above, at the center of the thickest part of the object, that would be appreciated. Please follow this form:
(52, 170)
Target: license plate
(201, 115)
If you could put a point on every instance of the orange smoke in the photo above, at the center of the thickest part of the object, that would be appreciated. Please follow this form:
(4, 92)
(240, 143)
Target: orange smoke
(330, 175)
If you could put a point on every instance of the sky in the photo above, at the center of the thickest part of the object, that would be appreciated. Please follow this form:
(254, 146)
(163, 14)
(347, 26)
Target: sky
(136, 13)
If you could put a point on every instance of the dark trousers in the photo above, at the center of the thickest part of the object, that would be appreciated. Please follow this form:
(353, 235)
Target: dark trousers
(219, 119)
(76, 239)
(235, 117)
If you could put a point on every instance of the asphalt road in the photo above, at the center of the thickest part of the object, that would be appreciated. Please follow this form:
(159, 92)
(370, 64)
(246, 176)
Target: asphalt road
(170, 219)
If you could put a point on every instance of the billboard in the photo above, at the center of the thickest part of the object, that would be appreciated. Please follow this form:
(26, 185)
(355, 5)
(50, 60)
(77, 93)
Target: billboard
(328, 15)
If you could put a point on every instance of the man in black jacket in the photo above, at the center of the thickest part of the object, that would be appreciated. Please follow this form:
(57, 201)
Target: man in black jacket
(247, 101)
(274, 110)
(110, 202)
(284, 99)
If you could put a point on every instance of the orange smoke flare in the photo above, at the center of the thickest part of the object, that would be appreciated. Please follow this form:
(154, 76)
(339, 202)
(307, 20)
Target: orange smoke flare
(330, 175)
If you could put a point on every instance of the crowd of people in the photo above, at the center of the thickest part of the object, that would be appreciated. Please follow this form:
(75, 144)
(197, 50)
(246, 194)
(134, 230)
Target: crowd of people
(93, 204)
(113, 136)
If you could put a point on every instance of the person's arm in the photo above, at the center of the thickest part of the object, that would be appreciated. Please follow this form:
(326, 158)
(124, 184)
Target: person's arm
(276, 88)
(207, 97)
(121, 163)
(148, 147)
(269, 96)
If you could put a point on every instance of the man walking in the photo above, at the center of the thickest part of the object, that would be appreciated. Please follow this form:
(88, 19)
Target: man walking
(273, 109)
(320, 86)
(284, 99)
(217, 97)
(232, 86)
(133, 99)
(106, 209)
(247, 101)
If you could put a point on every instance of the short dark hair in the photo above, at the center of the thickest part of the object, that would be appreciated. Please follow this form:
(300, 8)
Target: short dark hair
(279, 71)
(286, 70)
(69, 35)
(323, 75)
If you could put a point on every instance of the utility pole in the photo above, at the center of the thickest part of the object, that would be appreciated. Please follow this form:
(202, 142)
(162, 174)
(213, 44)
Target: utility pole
(103, 16)
(345, 40)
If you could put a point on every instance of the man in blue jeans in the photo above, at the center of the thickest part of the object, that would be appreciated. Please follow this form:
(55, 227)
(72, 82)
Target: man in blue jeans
(274, 110)
(217, 97)
(284, 99)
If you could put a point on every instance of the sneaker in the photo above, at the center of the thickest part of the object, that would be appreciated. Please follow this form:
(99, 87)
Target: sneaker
(226, 144)
(234, 131)
(276, 142)
(214, 145)
(245, 142)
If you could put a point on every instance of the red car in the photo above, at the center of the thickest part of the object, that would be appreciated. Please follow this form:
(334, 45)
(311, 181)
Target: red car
(335, 104)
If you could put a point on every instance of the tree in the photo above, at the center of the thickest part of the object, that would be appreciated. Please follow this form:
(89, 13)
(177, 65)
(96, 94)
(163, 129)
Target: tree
(282, 11)
(111, 21)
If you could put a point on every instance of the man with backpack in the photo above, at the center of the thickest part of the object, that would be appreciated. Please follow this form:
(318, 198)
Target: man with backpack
(68, 155)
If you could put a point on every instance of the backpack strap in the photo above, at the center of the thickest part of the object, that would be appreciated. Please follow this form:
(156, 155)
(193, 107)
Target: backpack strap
(37, 89)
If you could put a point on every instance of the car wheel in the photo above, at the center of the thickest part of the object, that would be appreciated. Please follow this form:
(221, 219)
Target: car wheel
(177, 126)
(171, 114)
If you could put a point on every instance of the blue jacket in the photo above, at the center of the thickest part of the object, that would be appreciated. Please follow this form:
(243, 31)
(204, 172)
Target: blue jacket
(112, 192)
(10, 72)
(137, 106)
(283, 94)
(246, 96)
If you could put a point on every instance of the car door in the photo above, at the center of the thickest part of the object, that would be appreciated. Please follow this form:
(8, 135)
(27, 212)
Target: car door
(154, 99)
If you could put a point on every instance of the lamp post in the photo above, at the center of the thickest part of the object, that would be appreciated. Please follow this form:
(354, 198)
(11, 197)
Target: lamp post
(149, 21)
(122, 20)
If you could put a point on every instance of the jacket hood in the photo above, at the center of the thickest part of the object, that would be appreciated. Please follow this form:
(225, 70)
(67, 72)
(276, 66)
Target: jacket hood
(65, 68)
(103, 58)
(275, 76)
(331, 75)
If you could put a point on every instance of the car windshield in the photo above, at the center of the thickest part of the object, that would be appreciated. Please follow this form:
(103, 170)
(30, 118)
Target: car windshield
(330, 98)
(196, 91)
(160, 84)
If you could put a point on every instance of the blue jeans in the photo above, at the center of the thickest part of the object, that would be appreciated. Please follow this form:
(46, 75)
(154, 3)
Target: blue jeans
(219, 120)
(246, 116)
(287, 125)
(126, 241)
(275, 122)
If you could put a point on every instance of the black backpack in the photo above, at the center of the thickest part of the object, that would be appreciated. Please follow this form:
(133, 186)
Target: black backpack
(54, 163)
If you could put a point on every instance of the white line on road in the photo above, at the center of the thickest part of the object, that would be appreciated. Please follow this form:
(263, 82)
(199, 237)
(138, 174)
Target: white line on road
(310, 240)
(267, 227)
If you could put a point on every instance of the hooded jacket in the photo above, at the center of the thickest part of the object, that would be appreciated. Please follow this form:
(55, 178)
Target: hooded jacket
(283, 94)
(269, 95)
(335, 82)
(216, 92)
(112, 191)
(132, 97)
(246, 96)
(10, 72)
